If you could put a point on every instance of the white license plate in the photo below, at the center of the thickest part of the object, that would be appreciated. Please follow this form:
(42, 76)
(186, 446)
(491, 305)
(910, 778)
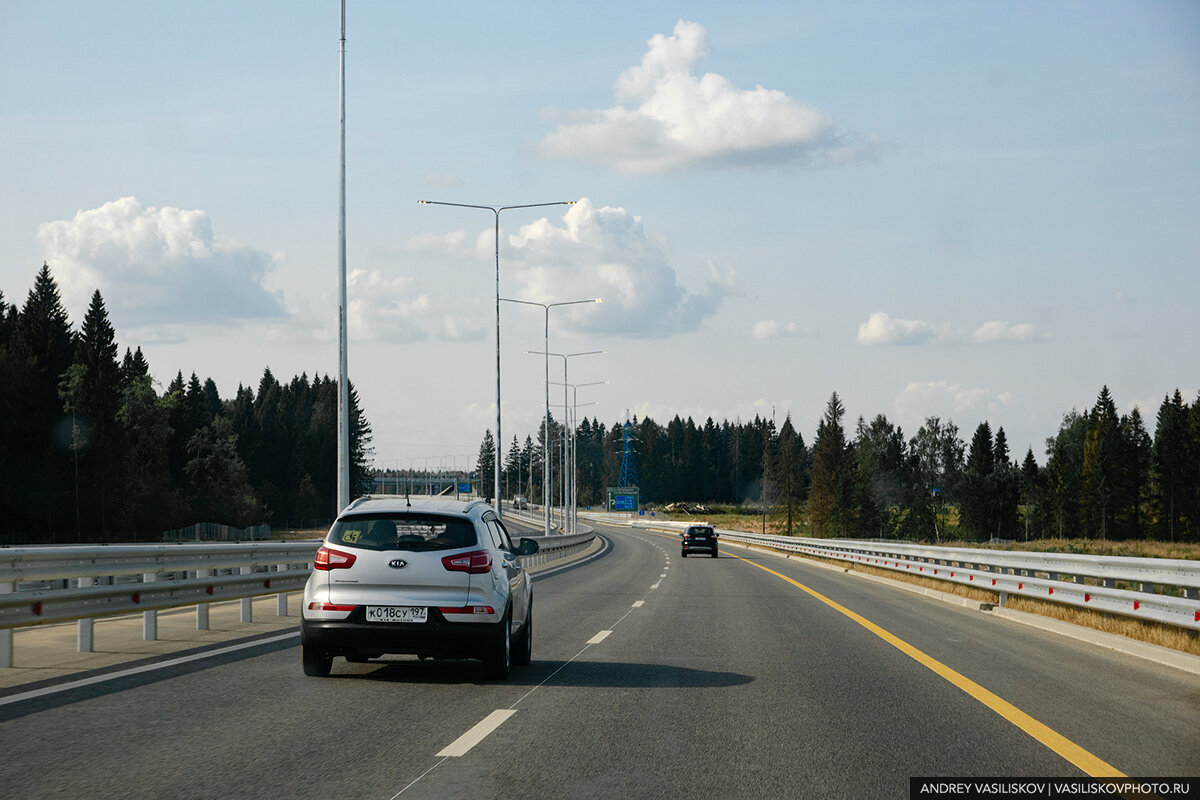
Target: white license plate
(397, 613)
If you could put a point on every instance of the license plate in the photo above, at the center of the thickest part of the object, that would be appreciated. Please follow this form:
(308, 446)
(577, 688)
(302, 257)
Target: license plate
(397, 613)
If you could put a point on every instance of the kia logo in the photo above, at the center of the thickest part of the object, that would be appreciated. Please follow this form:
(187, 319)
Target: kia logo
(397, 563)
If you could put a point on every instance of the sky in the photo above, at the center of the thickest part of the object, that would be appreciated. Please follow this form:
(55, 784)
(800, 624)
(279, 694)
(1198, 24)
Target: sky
(971, 210)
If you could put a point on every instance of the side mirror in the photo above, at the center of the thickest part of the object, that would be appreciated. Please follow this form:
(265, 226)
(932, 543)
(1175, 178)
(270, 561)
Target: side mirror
(526, 546)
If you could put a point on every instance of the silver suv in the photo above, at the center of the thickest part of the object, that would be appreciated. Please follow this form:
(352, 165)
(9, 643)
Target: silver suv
(429, 577)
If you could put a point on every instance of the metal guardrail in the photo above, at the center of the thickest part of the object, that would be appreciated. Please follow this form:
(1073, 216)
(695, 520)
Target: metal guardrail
(1157, 589)
(49, 584)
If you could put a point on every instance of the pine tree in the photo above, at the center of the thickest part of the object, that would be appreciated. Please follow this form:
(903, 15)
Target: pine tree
(1031, 495)
(1169, 463)
(829, 459)
(1101, 461)
(485, 464)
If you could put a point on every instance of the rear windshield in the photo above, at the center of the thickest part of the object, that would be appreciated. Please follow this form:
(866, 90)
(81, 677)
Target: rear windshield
(412, 532)
(700, 531)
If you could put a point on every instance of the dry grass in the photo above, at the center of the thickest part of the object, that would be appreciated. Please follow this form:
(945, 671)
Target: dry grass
(1181, 639)
(299, 535)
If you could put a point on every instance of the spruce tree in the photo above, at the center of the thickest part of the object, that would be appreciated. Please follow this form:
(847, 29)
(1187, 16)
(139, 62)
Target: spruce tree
(829, 457)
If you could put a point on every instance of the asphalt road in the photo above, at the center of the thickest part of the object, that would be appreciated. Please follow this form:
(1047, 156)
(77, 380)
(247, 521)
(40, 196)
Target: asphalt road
(716, 678)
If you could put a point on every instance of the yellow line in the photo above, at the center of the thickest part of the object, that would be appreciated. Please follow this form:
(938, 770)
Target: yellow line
(1093, 766)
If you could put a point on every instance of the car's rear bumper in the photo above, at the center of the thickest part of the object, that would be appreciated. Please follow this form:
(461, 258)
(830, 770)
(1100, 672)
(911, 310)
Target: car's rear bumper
(434, 637)
(707, 547)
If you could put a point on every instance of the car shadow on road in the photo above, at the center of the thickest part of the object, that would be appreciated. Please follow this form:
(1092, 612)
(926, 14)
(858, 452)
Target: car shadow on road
(596, 674)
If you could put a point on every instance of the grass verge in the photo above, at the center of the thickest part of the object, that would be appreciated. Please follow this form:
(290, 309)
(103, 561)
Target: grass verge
(1170, 636)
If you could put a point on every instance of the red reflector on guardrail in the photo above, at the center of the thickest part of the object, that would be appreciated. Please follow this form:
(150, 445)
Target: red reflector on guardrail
(37, 608)
(267, 583)
(208, 589)
(1051, 590)
(137, 597)
(1136, 605)
(1087, 598)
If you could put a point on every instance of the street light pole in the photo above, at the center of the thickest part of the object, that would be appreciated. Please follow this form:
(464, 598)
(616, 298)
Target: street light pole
(496, 212)
(343, 423)
(546, 435)
(575, 446)
(565, 476)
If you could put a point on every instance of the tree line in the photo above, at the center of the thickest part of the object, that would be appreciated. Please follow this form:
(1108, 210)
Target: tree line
(1105, 475)
(90, 449)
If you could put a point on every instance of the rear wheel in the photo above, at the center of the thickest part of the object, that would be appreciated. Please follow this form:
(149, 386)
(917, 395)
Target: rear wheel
(497, 662)
(714, 552)
(317, 662)
(523, 652)
(683, 553)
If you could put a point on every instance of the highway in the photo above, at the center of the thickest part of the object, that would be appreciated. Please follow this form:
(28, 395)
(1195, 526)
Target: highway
(654, 676)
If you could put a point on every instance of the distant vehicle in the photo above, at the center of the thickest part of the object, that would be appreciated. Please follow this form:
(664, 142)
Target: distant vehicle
(699, 538)
(520, 502)
(430, 577)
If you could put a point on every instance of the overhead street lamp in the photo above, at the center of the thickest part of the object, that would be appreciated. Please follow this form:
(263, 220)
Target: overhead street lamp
(564, 357)
(574, 504)
(546, 447)
(496, 211)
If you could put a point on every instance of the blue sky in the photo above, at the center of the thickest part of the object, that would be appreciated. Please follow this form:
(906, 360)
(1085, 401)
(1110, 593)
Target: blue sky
(971, 210)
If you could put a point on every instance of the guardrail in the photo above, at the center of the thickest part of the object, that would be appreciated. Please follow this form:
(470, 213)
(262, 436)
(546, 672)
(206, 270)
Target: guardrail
(1157, 589)
(49, 584)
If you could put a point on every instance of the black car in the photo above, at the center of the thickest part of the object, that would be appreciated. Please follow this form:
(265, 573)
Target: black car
(700, 538)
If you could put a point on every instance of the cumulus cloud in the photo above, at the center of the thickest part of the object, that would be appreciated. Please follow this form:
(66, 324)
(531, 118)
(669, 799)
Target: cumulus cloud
(668, 118)
(157, 265)
(383, 308)
(606, 253)
(881, 329)
(770, 329)
(463, 329)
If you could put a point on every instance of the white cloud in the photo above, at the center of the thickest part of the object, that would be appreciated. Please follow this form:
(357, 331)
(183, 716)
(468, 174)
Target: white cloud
(385, 309)
(946, 400)
(606, 253)
(462, 329)
(881, 329)
(770, 329)
(157, 265)
(446, 244)
(668, 118)
(1004, 332)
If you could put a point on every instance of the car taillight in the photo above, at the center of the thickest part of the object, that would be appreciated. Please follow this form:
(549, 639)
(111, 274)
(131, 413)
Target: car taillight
(314, 606)
(327, 559)
(468, 610)
(476, 562)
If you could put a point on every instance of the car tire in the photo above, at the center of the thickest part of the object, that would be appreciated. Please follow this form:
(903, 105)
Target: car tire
(523, 649)
(714, 555)
(683, 553)
(317, 662)
(497, 662)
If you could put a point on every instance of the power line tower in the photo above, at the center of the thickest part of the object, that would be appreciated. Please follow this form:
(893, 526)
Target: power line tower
(626, 495)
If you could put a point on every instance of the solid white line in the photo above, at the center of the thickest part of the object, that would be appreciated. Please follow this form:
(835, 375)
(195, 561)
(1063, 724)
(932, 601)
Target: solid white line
(112, 676)
(639, 604)
(599, 637)
(463, 744)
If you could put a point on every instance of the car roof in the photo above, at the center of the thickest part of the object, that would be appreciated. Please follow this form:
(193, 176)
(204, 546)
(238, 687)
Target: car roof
(396, 504)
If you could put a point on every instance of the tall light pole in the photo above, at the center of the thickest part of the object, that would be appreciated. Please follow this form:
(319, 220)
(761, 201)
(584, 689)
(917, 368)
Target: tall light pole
(564, 357)
(496, 212)
(343, 455)
(575, 448)
(546, 447)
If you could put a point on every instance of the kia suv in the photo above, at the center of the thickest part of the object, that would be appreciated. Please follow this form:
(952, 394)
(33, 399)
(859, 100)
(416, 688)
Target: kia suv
(430, 577)
(699, 538)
